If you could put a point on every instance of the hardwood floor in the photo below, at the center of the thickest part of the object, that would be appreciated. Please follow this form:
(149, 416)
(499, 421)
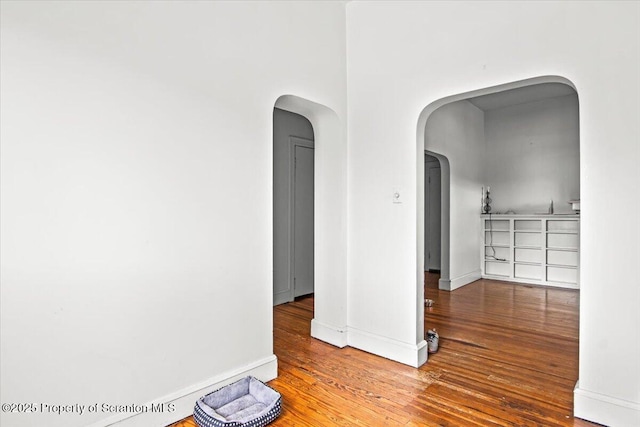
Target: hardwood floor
(508, 356)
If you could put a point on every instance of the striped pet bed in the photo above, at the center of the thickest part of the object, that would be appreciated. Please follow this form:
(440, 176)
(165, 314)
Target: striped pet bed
(247, 402)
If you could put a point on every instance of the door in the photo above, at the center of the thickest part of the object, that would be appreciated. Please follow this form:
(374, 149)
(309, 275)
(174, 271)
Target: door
(303, 219)
(432, 214)
(434, 218)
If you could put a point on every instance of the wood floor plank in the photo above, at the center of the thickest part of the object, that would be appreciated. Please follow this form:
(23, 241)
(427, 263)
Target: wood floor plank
(508, 357)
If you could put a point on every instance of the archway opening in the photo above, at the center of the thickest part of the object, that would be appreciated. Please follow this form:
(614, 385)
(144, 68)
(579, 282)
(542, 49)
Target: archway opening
(493, 137)
(329, 217)
(293, 200)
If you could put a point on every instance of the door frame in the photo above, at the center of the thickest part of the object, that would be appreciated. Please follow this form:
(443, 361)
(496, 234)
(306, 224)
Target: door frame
(295, 141)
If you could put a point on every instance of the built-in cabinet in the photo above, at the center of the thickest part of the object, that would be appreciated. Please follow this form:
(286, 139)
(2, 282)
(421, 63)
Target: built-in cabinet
(537, 249)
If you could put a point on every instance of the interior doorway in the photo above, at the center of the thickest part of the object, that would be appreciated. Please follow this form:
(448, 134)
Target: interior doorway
(302, 216)
(293, 206)
(432, 214)
(520, 139)
(507, 137)
(330, 217)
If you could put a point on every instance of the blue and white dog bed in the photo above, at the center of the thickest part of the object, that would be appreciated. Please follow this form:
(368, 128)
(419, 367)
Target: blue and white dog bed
(247, 402)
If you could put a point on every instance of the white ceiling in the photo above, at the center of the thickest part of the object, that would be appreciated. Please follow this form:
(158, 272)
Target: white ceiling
(521, 95)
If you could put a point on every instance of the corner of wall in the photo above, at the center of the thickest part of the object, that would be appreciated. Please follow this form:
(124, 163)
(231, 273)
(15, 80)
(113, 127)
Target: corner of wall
(412, 355)
(333, 335)
(444, 284)
(463, 280)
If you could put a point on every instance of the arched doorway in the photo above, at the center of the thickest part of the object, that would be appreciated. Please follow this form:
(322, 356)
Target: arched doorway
(460, 228)
(329, 213)
(293, 200)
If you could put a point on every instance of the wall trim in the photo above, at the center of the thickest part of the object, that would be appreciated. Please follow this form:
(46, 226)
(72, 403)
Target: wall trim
(410, 354)
(182, 401)
(603, 409)
(444, 284)
(281, 297)
(333, 335)
(459, 282)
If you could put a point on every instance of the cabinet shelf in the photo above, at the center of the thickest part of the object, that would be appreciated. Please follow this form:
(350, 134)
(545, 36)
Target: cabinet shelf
(537, 249)
(561, 232)
(538, 264)
(560, 248)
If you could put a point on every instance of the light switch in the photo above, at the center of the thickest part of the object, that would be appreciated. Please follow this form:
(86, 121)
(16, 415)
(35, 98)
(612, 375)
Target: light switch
(397, 196)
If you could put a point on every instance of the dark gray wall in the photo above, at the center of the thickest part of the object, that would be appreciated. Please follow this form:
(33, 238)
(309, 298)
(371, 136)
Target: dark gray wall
(285, 125)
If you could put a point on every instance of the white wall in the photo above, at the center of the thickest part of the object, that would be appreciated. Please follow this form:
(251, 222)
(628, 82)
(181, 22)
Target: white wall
(457, 131)
(137, 193)
(136, 182)
(432, 50)
(533, 155)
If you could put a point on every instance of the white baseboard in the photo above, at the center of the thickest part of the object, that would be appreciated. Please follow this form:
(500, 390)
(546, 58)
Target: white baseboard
(603, 409)
(460, 281)
(178, 405)
(281, 297)
(328, 333)
(412, 355)
(444, 284)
